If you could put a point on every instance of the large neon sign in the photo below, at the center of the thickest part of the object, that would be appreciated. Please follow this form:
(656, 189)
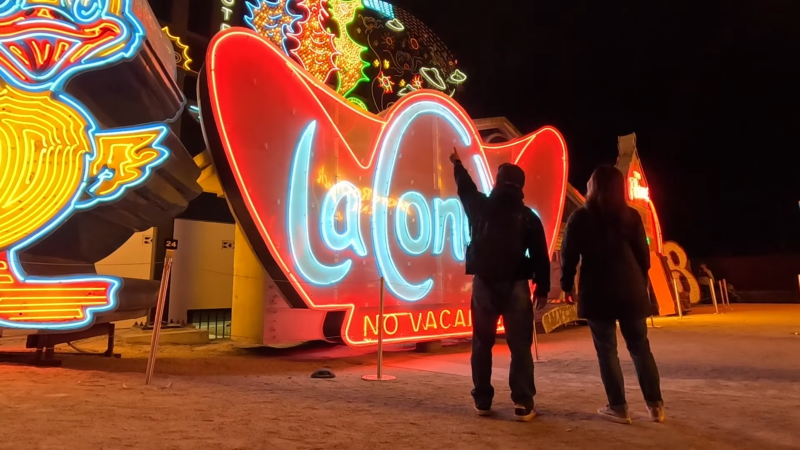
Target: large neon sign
(55, 158)
(298, 163)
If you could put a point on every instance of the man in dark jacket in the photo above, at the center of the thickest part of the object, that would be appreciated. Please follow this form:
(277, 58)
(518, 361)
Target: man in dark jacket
(507, 249)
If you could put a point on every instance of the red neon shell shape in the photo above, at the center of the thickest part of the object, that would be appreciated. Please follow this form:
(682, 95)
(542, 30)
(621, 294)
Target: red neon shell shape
(259, 102)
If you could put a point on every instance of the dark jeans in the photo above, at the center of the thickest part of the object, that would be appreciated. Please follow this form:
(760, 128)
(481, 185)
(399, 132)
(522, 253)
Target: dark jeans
(512, 301)
(604, 334)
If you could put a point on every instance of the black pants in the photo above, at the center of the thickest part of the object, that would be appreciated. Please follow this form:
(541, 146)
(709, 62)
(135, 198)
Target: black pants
(604, 334)
(512, 301)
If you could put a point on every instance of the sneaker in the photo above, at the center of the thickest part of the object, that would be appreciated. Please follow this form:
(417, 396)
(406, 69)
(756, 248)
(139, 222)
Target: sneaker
(657, 414)
(523, 413)
(615, 416)
(483, 410)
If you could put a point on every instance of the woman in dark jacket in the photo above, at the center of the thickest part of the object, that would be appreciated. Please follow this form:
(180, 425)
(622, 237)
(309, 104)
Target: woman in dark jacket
(607, 237)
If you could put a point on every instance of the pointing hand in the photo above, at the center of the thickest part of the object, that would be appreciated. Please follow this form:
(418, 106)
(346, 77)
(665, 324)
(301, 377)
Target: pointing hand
(454, 156)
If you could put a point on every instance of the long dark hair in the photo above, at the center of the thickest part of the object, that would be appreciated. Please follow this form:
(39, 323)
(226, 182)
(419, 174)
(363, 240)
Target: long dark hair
(606, 196)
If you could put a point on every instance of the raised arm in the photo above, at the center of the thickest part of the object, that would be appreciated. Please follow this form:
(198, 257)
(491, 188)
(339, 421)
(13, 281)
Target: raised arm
(467, 190)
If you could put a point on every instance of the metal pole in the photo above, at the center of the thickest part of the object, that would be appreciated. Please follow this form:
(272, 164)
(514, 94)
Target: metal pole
(380, 376)
(677, 298)
(162, 299)
(727, 297)
(380, 332)
(713, 295)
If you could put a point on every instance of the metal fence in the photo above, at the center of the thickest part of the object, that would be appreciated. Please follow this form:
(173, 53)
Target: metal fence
(216, 321)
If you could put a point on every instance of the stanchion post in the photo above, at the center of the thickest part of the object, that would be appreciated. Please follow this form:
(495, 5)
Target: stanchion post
(536, 345)
(380, 331)
(677, 298)
(727, 297)
(380, 376)
(713, 295)
(171, 245)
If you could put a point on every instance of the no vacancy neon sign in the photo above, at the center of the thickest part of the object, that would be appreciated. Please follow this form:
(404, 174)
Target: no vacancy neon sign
(331, 197)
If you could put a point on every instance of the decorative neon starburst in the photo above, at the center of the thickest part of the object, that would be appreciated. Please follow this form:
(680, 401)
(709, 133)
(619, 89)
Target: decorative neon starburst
(271, 19)
(351, 66)
(182, 58)
(386, 83)
(315, 48)
(416, 82)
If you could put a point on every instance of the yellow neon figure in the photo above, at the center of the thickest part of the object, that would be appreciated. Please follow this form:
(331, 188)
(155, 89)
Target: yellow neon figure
(44, 148)
(54, 157)
(52, 161)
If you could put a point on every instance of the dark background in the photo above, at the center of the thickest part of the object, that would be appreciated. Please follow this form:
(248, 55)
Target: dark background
(709, 88)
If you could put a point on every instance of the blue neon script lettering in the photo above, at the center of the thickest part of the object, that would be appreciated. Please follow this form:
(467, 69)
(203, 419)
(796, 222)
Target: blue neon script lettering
(449, 210)
(411, 245)
(384, 169)
(297, 212)
(433, 221)
(351, 237)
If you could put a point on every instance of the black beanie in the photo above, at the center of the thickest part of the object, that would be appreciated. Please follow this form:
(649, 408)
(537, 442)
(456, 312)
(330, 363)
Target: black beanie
(512, 174)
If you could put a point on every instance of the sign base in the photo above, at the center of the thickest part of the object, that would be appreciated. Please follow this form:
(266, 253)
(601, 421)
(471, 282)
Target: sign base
(378, 378)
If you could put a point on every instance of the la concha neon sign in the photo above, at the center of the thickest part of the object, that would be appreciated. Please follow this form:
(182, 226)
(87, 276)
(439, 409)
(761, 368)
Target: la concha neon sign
(299, 163)
(55, 157)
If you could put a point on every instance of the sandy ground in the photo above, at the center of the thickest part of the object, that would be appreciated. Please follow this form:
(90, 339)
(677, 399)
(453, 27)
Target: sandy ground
(730, 381)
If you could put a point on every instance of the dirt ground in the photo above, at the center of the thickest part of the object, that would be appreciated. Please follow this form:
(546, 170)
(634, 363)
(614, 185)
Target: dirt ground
(730, 381)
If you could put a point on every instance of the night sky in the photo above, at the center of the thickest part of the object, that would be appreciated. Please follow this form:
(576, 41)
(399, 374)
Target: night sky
(710, 89)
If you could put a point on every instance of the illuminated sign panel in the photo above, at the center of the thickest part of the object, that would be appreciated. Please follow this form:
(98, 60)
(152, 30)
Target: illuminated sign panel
(227, 7)
(678, 263)
(635, 189)
(55, 158)
(638, 193)
(332, 198)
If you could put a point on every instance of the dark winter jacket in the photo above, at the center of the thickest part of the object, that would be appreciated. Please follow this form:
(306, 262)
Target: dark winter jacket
(614, 266)
(533, 266)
